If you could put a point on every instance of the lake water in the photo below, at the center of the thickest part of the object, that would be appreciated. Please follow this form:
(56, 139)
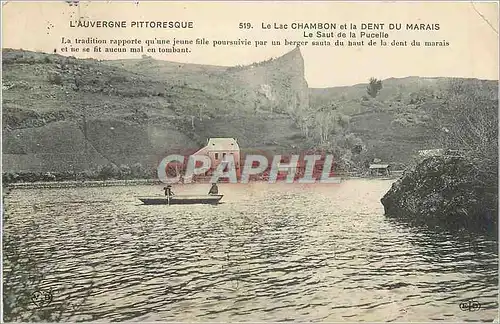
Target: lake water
(270, 252)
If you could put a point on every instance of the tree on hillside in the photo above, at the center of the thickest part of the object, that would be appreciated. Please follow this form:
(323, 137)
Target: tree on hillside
(138, 171)
(201, 108)
(9, 177)
(326, 121)
(124, 172)
(55, 79)
(468, 121)
(343, 121)
(192, 122)
(374, 87)
(108, 171)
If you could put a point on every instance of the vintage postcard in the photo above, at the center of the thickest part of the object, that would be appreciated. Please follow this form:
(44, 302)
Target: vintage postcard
(304, 161)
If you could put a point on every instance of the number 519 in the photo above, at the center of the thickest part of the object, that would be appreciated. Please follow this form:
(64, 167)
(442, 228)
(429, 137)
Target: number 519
(246, 25)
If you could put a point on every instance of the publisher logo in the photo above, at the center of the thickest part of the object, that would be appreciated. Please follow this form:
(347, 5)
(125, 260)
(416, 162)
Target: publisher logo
(41, 298)
(470, 306)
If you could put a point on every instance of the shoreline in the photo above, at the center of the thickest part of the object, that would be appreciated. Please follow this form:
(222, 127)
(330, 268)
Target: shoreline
(133, 182)
(80, 183)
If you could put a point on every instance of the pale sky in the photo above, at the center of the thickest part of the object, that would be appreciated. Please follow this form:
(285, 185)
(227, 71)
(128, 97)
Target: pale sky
(473, 49)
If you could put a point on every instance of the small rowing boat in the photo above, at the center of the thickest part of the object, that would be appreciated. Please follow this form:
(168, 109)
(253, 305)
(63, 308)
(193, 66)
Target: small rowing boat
(181, 200)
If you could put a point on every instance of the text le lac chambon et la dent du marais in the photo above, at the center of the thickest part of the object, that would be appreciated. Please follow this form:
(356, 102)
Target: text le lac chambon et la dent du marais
(323, 29)
(295, 26)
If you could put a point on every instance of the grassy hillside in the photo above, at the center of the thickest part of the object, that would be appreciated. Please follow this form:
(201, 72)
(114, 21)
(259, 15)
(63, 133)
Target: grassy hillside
(391, 88)
(60, 111)
(67, 114)
(402, 117)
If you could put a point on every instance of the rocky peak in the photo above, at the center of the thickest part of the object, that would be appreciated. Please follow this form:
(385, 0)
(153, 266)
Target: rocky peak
(277, 84)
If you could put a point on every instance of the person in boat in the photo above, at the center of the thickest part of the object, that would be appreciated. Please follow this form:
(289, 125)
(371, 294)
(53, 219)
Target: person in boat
(214, 190)
(168, 190)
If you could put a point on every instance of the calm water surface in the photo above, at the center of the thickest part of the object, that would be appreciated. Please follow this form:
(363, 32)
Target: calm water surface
(268, 253)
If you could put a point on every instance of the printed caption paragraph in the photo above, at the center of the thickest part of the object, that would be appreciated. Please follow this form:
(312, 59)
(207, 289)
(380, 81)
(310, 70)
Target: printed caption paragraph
(353, 35)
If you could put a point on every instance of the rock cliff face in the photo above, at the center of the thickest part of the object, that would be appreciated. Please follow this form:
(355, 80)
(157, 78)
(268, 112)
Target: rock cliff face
(66, 114)
(278, 83)
(444, 191)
